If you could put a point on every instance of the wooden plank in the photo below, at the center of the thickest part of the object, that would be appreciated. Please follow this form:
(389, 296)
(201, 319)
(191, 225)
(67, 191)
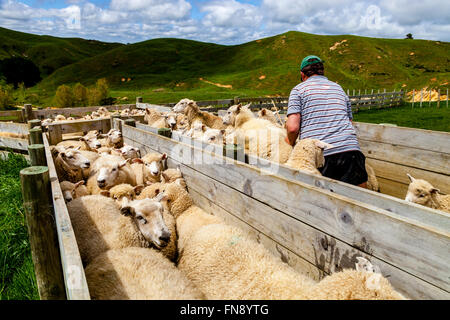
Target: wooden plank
(323, 249)
(407, 137)
(396, 172)
(392, 188)
(74, 277)
(102, 124)
(14, 143)
(14, 127)
(153, 106)
(419, 250)
(298, 263)
(411, 157)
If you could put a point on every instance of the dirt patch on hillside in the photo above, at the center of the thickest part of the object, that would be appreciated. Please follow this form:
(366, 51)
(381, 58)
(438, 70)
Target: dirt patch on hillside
(337, 44)
(228, 86)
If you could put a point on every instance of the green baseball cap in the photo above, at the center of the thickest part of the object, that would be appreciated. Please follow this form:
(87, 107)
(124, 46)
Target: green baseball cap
(310, 60)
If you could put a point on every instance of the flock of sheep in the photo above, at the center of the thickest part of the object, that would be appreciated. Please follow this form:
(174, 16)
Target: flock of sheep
(141, 236)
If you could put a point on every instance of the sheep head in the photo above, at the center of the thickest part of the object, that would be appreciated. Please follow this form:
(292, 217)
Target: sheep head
(69, 189)
(130, 152)
(148, 216)
(108, 174)
(91, 140)
(74, 158)
(171, 120)
(182, 104)
(230, 117)
(154, 163)
(215, 136)
(123, 192)
(421, 192)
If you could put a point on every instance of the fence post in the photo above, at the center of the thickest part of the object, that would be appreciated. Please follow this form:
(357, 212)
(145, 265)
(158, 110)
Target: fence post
(28, 112)
(34, 123)
(414, 95)
(35, 136)
(421, 97)
(130, 122)
(447, 99)
(166, 132)
(37, 202)
(439, 97)
(139, 100)
(54, 134)
(37, 155)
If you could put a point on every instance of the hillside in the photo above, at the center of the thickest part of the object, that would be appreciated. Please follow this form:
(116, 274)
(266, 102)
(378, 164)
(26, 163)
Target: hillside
(49, 53)
(269, 64)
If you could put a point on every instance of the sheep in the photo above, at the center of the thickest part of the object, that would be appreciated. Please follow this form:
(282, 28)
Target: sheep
(181, 105)
(87, 142)
(171, 119)
(112, 139)
(121, 191)
(149, 168)
(69, 164)
(193, 113)
(137, 274)
(372, 181)
(73, 190)
(46, 122)
(60, 117)
(197, 129)
(261, 137)
(103, 112)
(171, 175)
(227, 265)
(130, 152)
(108, 171)
(422, 192)
(268, 115)
(307, 155)
(154, 118)
(214, 136)
(99, 225)
(125, 112)
(151, 191)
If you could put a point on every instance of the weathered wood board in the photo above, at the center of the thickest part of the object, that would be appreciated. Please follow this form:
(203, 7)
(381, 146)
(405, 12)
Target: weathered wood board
(74, 276)
(325, 229)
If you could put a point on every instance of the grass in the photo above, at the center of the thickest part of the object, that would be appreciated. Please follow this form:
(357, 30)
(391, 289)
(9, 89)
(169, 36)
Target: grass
(427, 117)
(17, 279)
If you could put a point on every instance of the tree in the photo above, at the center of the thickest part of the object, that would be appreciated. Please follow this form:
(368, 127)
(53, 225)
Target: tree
(409, 36)
(80, 94)
(64, 97)
(6, 96)
(98, 95)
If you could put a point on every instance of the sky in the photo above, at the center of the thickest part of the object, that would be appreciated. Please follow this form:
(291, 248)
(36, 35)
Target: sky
(227, 21)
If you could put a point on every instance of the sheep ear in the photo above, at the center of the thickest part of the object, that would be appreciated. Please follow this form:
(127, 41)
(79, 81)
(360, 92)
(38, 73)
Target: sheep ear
(164, 156)
(165, 177)
(77, 148)
(147, 110)
(123, 163)
(435, 190)
(127, 210)
(79, 183)
(178, 169)
(411, 178)
(105, 193)
(263, 112)
(222, 131)
(181, 182)
(137, 160)
(160, 197)
(138, 189)
(238, 108)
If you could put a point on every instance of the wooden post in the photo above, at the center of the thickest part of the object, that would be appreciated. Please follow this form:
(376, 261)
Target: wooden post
(115, 116)
(421, 97)
(139, 100)
(414, 94)
(166, 132)
(34, 123)
(447, 98)
(37, 155)
(35, 136)
(429, 99)
(28, 112)
(439, 98)
(37, 202)
(348, 92)
(54, 134)
(130, 122)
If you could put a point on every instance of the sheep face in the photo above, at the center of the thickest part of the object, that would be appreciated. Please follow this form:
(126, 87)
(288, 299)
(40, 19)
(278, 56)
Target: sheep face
(182, 104)
(75, 158)
(171, 120)
(60, 117)
(114, 136)
(156, 165)
(92, 141)
(129, 152)
(69, 189)
(215, 136)
(420, 192)
(148, 216)
(107, 175)
(230, 117)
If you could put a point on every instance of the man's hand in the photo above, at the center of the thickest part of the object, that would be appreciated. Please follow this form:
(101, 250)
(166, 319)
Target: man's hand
(292, 128)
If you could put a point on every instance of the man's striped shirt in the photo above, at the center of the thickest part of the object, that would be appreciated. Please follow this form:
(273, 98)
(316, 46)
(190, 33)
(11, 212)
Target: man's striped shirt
(325, 112)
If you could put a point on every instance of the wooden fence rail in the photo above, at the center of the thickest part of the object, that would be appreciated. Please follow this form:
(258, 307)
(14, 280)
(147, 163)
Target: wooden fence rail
(317, 231)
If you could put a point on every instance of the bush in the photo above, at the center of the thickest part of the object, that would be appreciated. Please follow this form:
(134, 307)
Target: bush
(99, 94)
(64, 97)
(6, 97)
(80, 94)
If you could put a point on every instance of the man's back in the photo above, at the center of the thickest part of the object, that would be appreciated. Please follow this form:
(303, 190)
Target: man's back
(325, 113)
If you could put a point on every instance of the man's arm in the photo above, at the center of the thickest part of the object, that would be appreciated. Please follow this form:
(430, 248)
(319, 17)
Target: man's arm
(292, 128)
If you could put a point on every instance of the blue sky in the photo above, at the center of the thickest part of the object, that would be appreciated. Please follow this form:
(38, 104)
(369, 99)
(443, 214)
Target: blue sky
(226, 21)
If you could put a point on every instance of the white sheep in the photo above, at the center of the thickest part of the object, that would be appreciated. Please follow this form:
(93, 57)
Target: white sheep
(193, 113)
(215, 136)
(70, 163)
(137, 274)
(130, 152)
(422, 192)
(307, 155)
(73, 190)
(99, 225)
(148, 169)
(112, 139)
(108, 171)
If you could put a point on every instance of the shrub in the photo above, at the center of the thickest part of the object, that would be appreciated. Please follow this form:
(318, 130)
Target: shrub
(99, 94)
(64, 97)
(80, 94)
(6, 97)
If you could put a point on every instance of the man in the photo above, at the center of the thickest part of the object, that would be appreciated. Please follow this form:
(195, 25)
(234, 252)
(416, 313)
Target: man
(319, 109)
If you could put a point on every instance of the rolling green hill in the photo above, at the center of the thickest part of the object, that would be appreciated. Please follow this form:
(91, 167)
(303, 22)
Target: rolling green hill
(49, 53)
(266, 64)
